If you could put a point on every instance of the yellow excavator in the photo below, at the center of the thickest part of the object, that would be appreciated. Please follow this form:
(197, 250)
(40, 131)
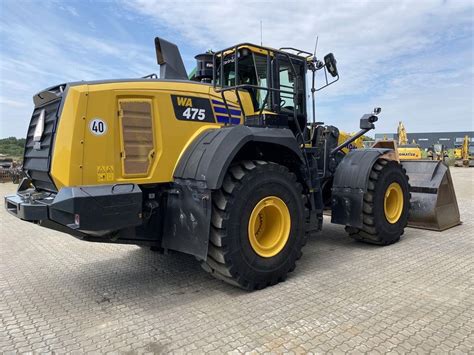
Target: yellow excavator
(406, 151)
(457, 152)
(465, 154)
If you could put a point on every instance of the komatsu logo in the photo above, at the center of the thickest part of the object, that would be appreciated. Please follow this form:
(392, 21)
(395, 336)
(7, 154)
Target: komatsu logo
(184, 101)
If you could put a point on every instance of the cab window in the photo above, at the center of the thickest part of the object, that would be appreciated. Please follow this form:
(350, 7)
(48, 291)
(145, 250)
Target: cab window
(252, 69)
(287, 84)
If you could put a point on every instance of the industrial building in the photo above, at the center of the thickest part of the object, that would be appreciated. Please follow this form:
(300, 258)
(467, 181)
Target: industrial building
(426, 140)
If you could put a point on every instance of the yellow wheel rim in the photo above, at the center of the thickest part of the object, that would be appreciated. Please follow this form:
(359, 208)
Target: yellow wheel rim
(393, 202)
(269, 226)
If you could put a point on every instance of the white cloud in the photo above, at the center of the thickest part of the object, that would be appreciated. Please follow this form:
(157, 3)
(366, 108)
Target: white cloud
(72, 10)
(386, 50)
(413, 58)
(12, 103)
(41, 48)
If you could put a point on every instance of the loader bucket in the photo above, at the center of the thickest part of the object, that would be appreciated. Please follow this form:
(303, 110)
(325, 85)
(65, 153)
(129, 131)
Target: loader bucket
(433, 200)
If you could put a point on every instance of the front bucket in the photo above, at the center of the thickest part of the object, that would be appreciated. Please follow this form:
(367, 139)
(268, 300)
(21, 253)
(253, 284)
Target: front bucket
(433, 200)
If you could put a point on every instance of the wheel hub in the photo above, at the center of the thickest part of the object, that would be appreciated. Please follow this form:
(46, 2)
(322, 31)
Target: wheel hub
(269, 226)
(393, 202)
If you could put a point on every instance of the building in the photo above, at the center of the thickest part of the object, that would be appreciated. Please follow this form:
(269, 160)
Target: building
(426, 140)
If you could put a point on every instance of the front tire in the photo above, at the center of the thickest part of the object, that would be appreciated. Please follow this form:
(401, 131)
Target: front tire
(386, 205)
(257, 230)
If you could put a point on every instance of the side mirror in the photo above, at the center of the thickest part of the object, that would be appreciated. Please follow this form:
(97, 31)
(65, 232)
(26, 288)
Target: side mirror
(330, 67)
(330, 63)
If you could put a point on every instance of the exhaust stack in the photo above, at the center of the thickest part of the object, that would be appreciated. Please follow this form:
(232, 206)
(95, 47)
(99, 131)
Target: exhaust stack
(170, 61)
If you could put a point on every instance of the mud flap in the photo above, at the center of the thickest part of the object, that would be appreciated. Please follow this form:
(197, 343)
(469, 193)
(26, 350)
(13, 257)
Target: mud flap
(350, 185)
(433, 200)
(188, 219)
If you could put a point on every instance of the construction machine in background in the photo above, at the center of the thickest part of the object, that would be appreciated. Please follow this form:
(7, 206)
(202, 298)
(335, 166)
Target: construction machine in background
(406, 151)
(10, 170)
(464, 155)
(457, 152)
(6, 164)
(227, 167)
(437, 152)
(356, 144)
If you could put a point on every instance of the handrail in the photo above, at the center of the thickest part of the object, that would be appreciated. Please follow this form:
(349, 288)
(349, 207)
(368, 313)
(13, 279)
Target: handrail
(298, 51)
(237, 87)
(268, 89)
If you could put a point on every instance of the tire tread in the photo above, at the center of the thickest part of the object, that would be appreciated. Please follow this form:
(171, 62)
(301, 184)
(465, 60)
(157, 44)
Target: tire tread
(217, 263)
(368, 233)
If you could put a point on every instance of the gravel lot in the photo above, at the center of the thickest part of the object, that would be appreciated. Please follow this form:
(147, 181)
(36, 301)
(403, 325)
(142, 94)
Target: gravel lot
(61, 294)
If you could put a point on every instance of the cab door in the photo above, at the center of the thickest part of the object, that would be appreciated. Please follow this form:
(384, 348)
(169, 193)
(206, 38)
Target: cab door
(289, 79)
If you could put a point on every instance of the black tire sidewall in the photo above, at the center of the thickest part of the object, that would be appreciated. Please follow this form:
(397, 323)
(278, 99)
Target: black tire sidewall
(266, 180)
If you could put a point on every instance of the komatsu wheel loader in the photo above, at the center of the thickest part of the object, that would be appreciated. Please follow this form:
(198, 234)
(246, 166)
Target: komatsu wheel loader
(226, 166)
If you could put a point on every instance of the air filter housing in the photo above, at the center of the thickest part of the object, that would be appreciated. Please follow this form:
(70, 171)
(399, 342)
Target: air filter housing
(204, 67)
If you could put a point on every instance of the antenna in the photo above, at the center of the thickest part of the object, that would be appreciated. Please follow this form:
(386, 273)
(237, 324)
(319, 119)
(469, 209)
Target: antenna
(316, 46)
(261, 33)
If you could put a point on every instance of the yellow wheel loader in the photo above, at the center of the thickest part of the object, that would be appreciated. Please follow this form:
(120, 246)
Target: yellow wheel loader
(226, 167)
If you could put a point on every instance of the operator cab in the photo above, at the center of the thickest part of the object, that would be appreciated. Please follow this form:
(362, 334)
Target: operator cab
(275, 80)
(271, 79)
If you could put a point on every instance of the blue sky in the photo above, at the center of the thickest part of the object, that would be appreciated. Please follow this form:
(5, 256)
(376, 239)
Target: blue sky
(412, 58)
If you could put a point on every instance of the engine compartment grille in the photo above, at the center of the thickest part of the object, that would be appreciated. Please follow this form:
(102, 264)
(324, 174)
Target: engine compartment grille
(37, 157)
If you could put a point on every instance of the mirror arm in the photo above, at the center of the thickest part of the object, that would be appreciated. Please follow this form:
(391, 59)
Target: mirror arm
(328, 83)
(366, 124)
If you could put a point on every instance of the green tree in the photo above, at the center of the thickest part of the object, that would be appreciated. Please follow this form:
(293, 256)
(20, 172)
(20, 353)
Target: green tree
(12, 146)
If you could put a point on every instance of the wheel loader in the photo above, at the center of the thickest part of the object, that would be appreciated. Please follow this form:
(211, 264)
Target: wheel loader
(226, 167)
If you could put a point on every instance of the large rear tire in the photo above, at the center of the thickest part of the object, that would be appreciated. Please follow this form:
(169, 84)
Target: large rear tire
(386, 205)
(257, 230)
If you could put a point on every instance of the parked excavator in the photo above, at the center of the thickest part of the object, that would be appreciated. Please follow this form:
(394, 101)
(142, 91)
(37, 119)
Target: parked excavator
(466, 156)
(457, 152)
(406, 151)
